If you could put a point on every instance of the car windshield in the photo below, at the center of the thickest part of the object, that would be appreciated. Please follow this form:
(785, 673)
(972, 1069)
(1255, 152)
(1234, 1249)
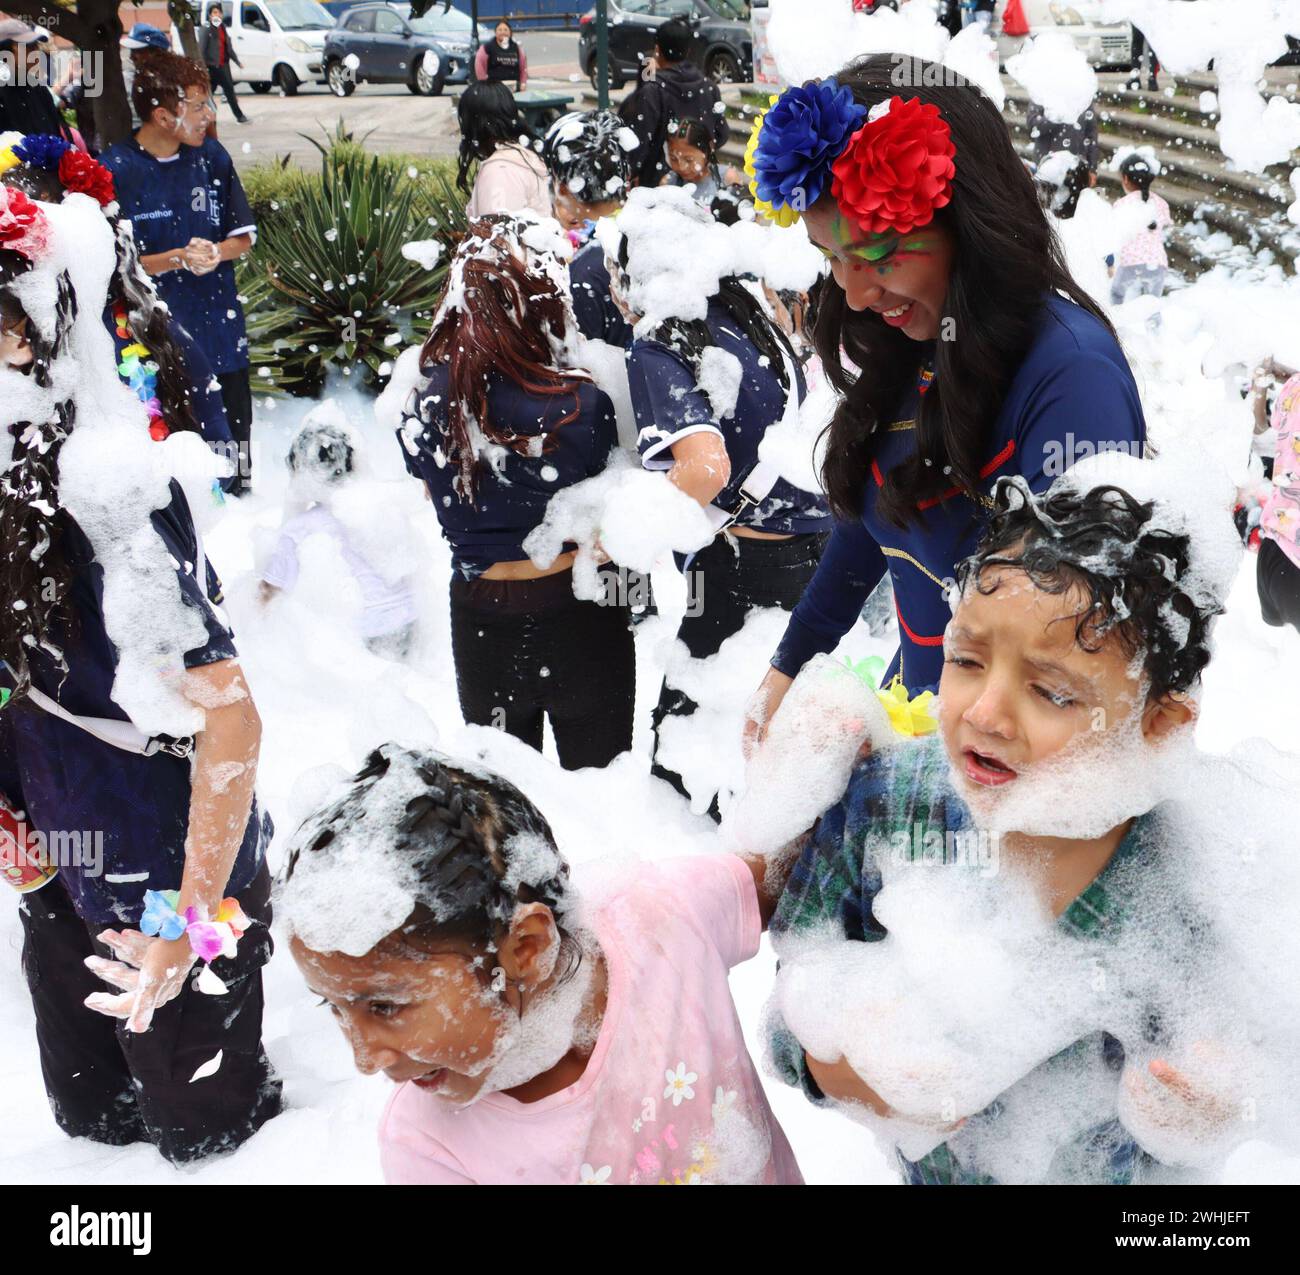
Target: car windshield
(737, 10)
(300, 15)
(435, 22)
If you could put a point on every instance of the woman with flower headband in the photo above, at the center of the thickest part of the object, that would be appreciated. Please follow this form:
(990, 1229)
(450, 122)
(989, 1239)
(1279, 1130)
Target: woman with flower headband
(962, 349)
(157, 357)
(124, 711)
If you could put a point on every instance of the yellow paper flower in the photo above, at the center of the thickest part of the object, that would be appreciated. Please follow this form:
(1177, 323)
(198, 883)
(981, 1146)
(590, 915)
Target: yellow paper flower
(909, 717)
(8, 159)
(782, 215)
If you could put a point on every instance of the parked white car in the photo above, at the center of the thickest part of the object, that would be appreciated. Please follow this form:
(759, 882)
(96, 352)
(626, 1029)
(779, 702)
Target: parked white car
(1103, 43)
(279, 42)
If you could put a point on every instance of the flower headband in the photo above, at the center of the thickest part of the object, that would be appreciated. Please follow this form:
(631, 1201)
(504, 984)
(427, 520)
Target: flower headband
(23, 226)
(77, 172)
(888, 170)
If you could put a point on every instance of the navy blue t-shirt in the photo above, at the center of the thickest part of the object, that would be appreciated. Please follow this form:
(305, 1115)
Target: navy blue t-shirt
(511, 491)
(598, 317)
(1072, 395)
(195, 194)
(670, 405)
(68, 781)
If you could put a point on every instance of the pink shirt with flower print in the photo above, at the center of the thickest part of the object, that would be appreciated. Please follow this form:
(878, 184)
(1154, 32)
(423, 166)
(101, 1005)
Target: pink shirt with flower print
(1280, 519)
(669, 1096)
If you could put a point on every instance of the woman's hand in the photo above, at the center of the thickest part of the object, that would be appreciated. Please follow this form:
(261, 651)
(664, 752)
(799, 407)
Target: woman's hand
(149, 973)
(762, 707)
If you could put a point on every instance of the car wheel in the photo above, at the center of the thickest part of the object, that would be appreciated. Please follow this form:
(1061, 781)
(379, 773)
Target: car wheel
(722, 67)
(616, 80)
(260, 86)
(340, 80)
(425, 84)
(286, 80)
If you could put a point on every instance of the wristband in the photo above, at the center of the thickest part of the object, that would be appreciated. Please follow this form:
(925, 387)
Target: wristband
(208, 939)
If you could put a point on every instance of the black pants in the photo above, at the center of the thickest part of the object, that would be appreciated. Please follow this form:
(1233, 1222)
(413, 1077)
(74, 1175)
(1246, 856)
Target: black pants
(528, 649)
(222, 79)
(115, 1086)
(725, 581)
(1278, 581)
(237, 397)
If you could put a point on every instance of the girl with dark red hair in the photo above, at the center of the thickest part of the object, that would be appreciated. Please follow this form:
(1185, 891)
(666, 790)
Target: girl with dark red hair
(501, 425)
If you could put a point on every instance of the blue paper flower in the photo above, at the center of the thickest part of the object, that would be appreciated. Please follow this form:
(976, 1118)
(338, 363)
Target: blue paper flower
(802, 136)
(41, 150)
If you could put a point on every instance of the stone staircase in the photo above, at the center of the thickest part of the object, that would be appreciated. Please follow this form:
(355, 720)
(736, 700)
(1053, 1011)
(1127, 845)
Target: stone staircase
(1219, 214)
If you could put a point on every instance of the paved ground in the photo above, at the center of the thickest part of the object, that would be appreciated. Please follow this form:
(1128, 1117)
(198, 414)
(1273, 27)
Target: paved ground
(395, 119)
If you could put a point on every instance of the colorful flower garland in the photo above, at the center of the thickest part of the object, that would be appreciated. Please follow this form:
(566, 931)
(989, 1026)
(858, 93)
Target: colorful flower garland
(208, 939)
(140, 374)
(76, 171)
(23, 226)
(888, 170)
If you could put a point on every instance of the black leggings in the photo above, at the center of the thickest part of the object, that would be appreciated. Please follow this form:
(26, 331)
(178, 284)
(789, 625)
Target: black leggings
(111, 1085)
(725, 581)
(528, 649)
(1278, 581)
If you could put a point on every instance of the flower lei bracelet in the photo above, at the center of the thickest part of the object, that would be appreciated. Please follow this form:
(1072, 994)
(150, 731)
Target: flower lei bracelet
(889, 169)
(208, 939)
(138, 369)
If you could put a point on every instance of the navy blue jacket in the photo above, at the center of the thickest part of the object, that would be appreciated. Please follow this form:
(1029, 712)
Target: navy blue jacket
(1073, 394)
(511, 491)
(669, 406)
(69, 781)
(599, 319)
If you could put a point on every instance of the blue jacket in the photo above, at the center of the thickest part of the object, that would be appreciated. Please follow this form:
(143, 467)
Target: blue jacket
(1073, 395)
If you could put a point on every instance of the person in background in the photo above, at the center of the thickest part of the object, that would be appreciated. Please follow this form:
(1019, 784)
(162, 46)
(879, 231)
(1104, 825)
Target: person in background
(672, 88)
(503, 60)
(978, 12)
(692, 159)
(141, 36)
(323, 461)
(586, 153)
(510, 176)
(218, 53)
(1142, 261)
(27, 105)
(499, 427)
(191, 222)
(1278, 569)
(1080, 138)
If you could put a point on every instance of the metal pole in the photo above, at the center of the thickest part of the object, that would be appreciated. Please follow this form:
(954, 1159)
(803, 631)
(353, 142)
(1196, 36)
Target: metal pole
(602, 54)
(473, 40)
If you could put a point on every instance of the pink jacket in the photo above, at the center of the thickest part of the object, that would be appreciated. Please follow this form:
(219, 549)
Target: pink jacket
(510, 179)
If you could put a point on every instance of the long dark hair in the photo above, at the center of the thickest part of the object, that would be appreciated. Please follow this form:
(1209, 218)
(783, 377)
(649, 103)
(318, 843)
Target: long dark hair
(1138, 171)
(34, 572)
(488, 117)
(472, 843)
(505, 322)
(1006, 264)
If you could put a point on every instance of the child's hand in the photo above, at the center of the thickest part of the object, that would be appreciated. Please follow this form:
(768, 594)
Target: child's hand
(839, 1081)
(1180, 1112)
(150, 973)
(202, 256)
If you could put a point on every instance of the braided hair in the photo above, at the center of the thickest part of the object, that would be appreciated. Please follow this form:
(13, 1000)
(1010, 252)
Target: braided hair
(34, 571)
(469, 844)
(1132, 574)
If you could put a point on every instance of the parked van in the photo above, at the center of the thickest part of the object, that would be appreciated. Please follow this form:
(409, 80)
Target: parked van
(1104, 44)
(278, 42)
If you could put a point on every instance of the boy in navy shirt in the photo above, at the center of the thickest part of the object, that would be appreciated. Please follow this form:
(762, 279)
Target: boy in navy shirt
(191, 222)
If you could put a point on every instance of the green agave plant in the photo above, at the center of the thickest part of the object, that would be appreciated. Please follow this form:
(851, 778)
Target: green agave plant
(326, 286)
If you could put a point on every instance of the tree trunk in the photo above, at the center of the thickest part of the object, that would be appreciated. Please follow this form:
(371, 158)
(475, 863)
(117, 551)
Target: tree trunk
(182, 17)
(112, 112)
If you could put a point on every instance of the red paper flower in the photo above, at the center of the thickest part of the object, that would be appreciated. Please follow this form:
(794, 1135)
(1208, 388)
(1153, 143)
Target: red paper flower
(78, 172)
(897, 169)
(23, 227)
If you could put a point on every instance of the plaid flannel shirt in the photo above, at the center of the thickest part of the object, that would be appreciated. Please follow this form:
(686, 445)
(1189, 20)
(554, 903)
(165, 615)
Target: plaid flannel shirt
(907, 792)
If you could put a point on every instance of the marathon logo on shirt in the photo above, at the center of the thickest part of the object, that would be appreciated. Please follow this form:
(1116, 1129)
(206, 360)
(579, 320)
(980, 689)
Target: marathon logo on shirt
(75, 1229)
